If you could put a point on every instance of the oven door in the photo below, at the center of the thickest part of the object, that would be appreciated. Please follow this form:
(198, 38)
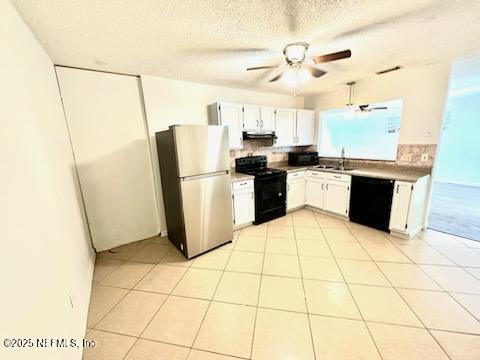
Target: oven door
(270, 197)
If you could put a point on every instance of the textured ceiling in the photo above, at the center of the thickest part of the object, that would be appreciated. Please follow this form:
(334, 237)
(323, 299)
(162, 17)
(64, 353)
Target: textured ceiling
(214, 41)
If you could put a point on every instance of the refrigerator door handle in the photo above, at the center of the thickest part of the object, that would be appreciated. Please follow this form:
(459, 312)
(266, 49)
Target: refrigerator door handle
(195, 177)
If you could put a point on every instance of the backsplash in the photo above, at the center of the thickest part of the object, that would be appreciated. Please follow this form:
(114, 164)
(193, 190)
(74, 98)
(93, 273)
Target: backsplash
(264, 147)
(407, 154)
(416, 151)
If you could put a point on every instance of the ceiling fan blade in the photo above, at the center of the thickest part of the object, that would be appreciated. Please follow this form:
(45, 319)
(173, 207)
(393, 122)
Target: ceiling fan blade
(332, 57)
(314, 71)
(276, 77)
(262, 67)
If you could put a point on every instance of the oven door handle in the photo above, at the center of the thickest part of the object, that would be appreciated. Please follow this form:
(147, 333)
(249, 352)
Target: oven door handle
(276, 176)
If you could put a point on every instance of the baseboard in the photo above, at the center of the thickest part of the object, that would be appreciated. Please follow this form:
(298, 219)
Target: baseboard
(242, 226)
(341, 217)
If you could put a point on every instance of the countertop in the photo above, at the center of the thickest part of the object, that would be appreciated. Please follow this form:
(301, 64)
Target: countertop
(234, 176)
(401, 173)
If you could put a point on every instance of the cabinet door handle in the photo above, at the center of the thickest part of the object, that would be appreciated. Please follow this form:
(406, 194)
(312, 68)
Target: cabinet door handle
(327, 187)
(244, 183)
(336, 176)
(252, 195)
(322, 186)
(398, 187)
(257, 123)
(288, 187)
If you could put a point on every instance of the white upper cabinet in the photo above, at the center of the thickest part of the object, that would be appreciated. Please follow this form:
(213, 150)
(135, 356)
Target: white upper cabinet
(285, 127)
(293, 127)
(229, 115)
(400, 206)
(251, 117)
(267, 118)
(305, 127)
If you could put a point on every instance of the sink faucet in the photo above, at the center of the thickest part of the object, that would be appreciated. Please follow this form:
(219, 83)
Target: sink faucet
(341, 161)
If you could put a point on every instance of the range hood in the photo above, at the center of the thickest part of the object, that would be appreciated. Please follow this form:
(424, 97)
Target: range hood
(259, 135)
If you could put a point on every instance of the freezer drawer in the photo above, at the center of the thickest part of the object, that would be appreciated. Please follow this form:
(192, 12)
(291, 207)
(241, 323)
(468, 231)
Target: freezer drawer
(207, 211)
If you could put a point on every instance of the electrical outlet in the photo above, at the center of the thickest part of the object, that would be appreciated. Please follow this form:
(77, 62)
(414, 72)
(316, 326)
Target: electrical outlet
(407, 157)
(424, 157)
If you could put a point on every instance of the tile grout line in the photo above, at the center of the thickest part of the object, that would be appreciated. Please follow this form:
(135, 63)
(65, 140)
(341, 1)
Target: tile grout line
(444, 290)
(129, 290)
(258, 296)
(156, 312)
(350, 291)
(400, 295)
(304, 292)
(209, 304)
(261, 278)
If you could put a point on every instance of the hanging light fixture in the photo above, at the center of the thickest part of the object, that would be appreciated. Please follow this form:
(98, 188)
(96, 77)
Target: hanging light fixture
(350, 111)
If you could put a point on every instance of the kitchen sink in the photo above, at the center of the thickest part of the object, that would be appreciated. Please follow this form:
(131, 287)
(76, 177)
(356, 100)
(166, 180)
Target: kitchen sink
(336, 168)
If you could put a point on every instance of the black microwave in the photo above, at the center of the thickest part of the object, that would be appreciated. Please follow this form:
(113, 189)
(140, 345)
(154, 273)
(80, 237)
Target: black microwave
(303, 158)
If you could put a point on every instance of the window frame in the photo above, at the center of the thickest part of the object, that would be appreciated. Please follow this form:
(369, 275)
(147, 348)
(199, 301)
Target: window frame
(379, 158)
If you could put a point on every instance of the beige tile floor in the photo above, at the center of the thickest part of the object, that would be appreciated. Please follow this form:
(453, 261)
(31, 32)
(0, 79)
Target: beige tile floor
(302, 287)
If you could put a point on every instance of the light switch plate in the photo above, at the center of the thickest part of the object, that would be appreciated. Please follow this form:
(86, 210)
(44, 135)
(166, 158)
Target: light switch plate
(424, 157)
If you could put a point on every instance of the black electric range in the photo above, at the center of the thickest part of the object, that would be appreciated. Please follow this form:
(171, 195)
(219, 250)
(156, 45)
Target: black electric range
(270, 187)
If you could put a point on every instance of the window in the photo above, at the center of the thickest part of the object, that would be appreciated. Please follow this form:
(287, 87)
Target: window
(364, 135)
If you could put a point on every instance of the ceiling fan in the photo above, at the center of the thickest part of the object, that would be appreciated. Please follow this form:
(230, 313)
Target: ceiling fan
(361, 108)
(299, 67)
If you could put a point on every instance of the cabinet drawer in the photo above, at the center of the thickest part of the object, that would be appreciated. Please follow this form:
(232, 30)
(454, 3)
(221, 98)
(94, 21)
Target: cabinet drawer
(338, 177)
(316, 174)
(297, 175)
(240, 185)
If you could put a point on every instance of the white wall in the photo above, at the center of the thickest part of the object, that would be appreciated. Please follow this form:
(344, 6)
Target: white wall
(169, 102)
(423, 89)
(46, 259)
(107, 126)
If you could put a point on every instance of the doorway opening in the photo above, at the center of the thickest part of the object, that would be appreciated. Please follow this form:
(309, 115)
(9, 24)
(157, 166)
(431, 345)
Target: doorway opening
(455, 204)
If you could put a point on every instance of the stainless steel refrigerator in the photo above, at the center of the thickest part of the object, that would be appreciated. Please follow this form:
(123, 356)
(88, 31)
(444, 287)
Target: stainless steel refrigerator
(195, 171)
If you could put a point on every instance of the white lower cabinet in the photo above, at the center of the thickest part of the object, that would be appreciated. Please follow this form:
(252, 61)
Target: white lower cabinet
(243, 202)
(337, 197)
(295, 190)
(329, 192)
(400, 205)
(314, 192)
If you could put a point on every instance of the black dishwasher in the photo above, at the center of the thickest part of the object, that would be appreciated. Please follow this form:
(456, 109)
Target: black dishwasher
(371, 201)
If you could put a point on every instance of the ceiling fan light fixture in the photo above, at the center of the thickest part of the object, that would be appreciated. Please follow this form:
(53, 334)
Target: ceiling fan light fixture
(294, 76)
(295, 52)
(290, 77)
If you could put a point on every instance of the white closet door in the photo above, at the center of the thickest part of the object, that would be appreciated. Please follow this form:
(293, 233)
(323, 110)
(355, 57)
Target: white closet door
(105, 118)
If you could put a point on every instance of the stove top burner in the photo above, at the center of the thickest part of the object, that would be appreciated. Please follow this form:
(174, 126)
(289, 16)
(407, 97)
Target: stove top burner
(256, 166)
(263, 172)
